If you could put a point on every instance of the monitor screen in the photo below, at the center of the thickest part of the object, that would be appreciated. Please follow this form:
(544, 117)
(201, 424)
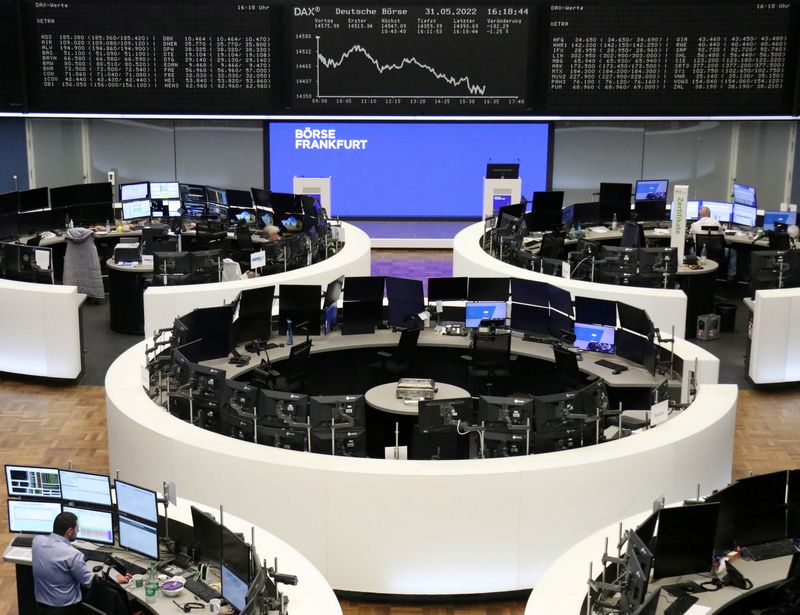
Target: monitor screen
(405, 298)
(64, 196)
(133, 210)
(488, 289)
(500, 200)
(692, 210)
(551, 201)
(595, 311)
(164, 190)
(560, 300)
(783, 217)
(235, 554)
(633, 347)
(744, 195)
(744, 215)
(32, 482)
(484, 310)
(634, 319)
(650, 210)
(85, 487)
(447, 289)
(301, 304)
(651, 189)
(32, 200)
(720, 211)
(94, 525)
(9, 203)
(363, 288)
(136, 501)
(595, 338)
(234, 590)
(173, 207)
(530, 318)
(138, 536)
(530, 292)
(207, 535)
(685, 540)
(134, 192)
(32, 517)
(614, 193)
(218, 196)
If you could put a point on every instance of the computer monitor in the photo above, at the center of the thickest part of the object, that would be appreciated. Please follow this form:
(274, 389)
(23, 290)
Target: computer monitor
(163, 190)
(170, 263)
(685, 540)
(651, 190)
(138, 536)
(782, 217)
(650, 210)
(530, 318)
(744, 195)
(646, 530)
(635, 348)
(488, 289)
(635, 319)
(328, 409)
(93, 525)
(85, 487)
(134, 192)
(234, 589)
(610, 210)
(287, 438)
(640, 562)
(743, 215)
(9, 203)
(594, 338)
(530, 292)
(207, 536)
(560, 300)
(720, 210)
(658, 260)
(478, 311)
(276, 408)
(502, 170)
(254, 321)
(549, 410)
(333, 291)
(619, 259)
(692, 209)
(136, 210)
(135, 501)
(32, 482)
(32, 200)
(507, 213)
(32, 517)
(615, 193)
(406, 300)
(595, 311)
(236, 554)
(300, 303)
(542, 220)
(445, 412)
(447, 289)
(212, 326)
(585, 213)
(347, 442)
(242, 396)
(551, 200)
(216, 196)
(516, 411)
(559, 324)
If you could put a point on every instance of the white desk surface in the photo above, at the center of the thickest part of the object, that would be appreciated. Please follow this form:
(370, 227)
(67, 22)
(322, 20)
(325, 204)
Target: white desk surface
(134, 268)
(383, 397)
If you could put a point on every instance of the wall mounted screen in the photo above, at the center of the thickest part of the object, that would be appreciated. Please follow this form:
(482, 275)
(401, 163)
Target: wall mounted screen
(421, 170)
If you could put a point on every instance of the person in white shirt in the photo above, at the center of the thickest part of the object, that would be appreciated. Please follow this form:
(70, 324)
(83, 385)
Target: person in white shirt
(705, 219)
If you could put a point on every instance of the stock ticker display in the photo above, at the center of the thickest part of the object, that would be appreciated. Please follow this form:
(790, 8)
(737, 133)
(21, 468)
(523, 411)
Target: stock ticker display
(638, 57)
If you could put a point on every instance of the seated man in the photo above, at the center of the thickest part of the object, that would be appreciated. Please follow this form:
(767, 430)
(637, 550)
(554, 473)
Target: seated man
(705, 220)
(272, 233)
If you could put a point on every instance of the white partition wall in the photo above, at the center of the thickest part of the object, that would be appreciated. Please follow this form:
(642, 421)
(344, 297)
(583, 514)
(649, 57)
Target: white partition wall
(775, 340)
(666, 308)
(40, 330)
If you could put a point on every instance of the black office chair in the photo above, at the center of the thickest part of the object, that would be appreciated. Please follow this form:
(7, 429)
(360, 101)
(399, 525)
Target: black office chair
(632, 235)
(400, 361)
(715, 247)
(292, 375)
(106, 597)
(243, 247)
(552, 246)
(567, 370)
(778, 241)
(490, 359)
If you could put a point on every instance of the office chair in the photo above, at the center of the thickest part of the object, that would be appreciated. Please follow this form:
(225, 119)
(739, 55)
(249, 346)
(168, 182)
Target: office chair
(243, 247)
(632, 235)
(490, 359)
(106, 597)
(294, 370)
(715, 250)
(552, 246)
(567, 370)
(778, 241)
(400, 361)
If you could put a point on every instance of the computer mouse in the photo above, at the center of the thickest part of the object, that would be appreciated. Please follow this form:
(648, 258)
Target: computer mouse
(281, 345)
(616, 371)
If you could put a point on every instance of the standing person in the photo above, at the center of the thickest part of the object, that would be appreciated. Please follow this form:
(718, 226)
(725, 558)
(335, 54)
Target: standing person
(59, 569)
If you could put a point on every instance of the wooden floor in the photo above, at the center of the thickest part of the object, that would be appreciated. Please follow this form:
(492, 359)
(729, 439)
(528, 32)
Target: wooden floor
(54, 426)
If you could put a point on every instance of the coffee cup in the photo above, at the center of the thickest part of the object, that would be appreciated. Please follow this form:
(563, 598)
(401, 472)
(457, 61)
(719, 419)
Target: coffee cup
(138, 580)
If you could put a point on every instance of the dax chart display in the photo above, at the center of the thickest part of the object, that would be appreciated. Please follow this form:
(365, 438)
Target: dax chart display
(411, 58)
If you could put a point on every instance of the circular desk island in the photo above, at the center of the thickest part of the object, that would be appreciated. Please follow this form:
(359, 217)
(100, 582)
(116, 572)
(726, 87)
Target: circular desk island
(395, 527)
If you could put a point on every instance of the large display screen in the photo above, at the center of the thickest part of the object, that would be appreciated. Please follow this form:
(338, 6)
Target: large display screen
(394, 169)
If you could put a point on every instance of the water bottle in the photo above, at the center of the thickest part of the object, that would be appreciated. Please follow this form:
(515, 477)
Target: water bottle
(289, 332)
(151, 587)
(703, 255)
(614, 222)
(108, 226)
(577, 230)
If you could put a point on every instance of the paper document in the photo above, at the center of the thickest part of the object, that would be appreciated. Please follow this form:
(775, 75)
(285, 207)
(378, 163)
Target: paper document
(18, 553)
(43, 259)
(598, 229)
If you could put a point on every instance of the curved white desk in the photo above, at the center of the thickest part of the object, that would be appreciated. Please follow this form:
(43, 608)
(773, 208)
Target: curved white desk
(162, 304)
(424, 527)
(775, 336)
(40, 329)
(666, 308)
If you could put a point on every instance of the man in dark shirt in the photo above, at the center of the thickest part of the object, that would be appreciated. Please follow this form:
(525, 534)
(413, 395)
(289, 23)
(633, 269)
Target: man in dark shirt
(59, 569)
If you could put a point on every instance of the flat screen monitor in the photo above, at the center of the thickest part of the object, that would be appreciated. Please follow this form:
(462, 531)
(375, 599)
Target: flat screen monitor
(615, 193)
(720, 211)
(136, 210)
(138, 536)
(782, 217)
(98, 192)
(560, 299)
(693, 209)
(507, 213)
(447, 289)
(163, 190)
(363, 288)
(236, 554)
(346, 442)
(744, 195)
(135, 501)
(559, 324)
(32, 200)
(758, 505)
(276, 408)
(651, 190)
(445, 412)
(240, 198)
(595, 311)
(633, 347)
(640, 563)
(608, 211)
(744, 215)
(234, 589)
(94, 525)
(193, 193)
(685, 540)
(9, 203)
(650, 210)
(216, 196)
(254, 321)
(585, 213)
(64, 196)
(478, 311)
(551, 200)
(405, 298)
(502, 170)
(658, 260)
(207, 535)
(530, 318)
(541, 220)
(530, 292)
(326, 409)
(514, 410)
(212, 327)
(32, 482)
(301, 304)
(85, 487)
(134, 192)
(32, 517)
(260, 197)
(488, 289)
(634, 319)
(594, 338)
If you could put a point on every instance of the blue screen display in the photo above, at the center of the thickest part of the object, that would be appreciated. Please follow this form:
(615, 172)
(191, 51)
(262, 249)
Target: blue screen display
(597, 338)
(484, 310)
(398, 169)
(783, 217)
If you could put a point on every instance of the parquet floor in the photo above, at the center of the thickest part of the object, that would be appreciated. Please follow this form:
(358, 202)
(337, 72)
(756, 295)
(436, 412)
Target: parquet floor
(55, 425)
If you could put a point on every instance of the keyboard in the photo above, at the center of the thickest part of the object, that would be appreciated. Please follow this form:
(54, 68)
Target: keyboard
(130, 567)
(93, 555)
(201, 590)
(22, 541)
(769, 550)
(539, 339)
(681, 605)
(617, 367)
